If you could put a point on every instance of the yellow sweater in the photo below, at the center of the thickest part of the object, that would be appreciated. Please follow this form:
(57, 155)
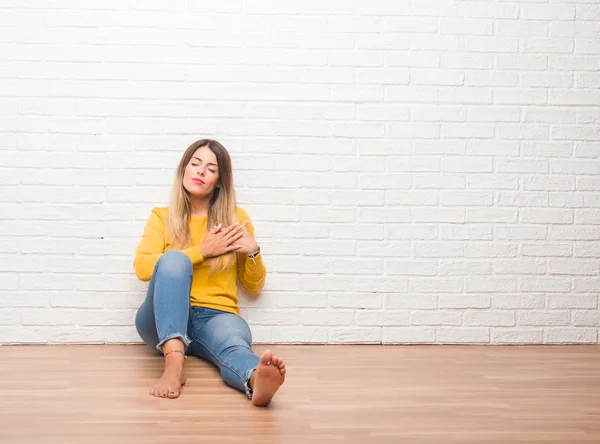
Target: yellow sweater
(216, 290)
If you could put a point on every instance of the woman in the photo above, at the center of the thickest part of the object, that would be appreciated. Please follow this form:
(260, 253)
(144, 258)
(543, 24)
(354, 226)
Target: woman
(192, 304)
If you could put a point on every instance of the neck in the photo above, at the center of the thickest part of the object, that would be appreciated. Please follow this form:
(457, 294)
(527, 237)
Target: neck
(200, 207)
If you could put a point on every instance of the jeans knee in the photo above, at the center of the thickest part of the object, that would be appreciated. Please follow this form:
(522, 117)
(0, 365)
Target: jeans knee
(174, 263)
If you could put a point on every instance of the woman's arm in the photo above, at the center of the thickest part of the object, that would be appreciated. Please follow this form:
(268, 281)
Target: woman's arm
(152, 247)
(251, 272)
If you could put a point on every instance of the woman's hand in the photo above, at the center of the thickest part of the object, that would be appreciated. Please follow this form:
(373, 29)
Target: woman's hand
(220, 241)
(246, 243)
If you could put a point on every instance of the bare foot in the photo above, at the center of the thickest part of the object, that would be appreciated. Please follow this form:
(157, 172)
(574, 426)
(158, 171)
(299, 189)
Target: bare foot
(267, 378)
(169, 385)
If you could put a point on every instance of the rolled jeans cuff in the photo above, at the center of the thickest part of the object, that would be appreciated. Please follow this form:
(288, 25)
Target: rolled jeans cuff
(184, 338)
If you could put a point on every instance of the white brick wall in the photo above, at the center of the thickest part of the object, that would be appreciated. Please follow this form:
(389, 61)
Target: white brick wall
(418, 172)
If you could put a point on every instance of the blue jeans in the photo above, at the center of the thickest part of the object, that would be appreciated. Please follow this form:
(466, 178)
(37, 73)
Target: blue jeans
(216, 336)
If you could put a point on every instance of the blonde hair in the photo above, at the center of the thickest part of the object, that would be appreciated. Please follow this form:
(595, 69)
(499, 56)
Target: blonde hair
(222, 205)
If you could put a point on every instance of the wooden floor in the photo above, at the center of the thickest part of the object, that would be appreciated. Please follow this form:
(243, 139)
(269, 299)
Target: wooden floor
(333, 394)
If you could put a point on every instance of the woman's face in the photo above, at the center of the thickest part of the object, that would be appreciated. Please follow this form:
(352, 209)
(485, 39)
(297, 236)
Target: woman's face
(201, 173)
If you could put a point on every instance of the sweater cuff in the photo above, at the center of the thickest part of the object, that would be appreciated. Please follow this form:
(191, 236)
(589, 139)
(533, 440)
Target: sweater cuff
(194, 254)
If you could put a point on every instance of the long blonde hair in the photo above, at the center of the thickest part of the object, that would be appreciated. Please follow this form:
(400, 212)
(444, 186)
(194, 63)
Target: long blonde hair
(222, 205)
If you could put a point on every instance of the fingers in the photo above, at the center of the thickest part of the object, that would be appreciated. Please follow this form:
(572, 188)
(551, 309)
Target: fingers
(233, 236)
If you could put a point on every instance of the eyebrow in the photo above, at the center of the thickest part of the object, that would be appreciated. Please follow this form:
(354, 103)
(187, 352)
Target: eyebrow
(197, 158)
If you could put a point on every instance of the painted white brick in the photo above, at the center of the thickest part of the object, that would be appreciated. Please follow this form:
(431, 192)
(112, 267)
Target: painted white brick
(571, 335)
(408, 267)
(518, 266)
(357, 300)
(492, 114)
(383, 249)
(493, 182)
(355, 335)
(439, 181)
(463, 301)
(574, 301)
(321, 317)
(357, 266)
(491, 44)
(489, 318)
(382, 318)
(521, 199)
(545, 149)
(547, 250)
(328, 248)
(586, 249)
(273, 317)
(549, 46)
(568, 200)
(519, 28)
(518, 301)
(587, 149)
(408, 335)
(300, 335)
(457, 268)
(466, 60)
(490, 284)
(448, 215)
(549, 183)
(358, 232)
(435, 285)
(300, 300)
(587, 318)
(383, 215)
(506, 215)
(588, 183)
(573, 267)
(315, 282)
(404, 164)
(300, 264)
(384, 181)
(411, 198)
(438, 114)
(545, 284)
(488, 10)
(381, 285)
(325, 214)
(468, 164)
(517, 336)
(465, 198)
(438, 249)
(465, 95)
(543, 318)
(462, 335)
(586, 285)
(410, 301)
(411, 231)
(434, 318)
(546, 216)
(574, 233)
(523, 62)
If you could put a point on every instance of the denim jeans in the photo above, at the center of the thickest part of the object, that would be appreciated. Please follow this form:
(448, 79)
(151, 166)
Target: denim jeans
(213, 335)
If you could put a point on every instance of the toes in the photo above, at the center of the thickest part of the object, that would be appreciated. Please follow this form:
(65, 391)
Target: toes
(173, 394)
(282, 370)
(266, 357)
